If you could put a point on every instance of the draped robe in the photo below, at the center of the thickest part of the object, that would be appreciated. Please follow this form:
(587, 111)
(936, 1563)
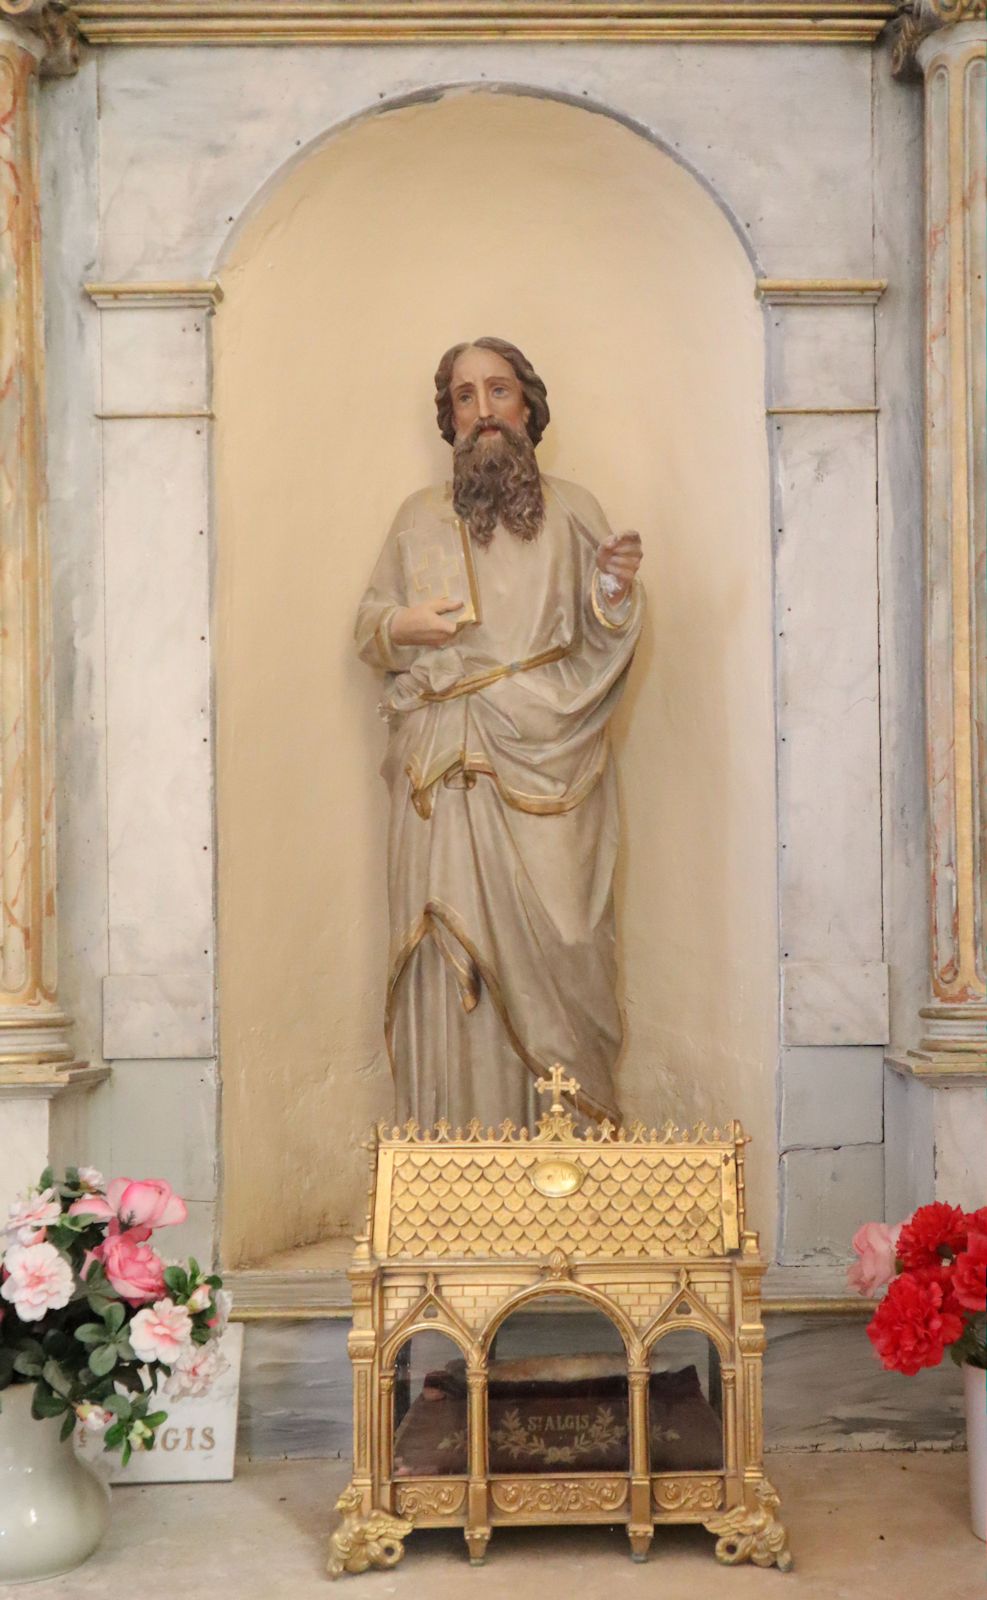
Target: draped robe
(503, 823)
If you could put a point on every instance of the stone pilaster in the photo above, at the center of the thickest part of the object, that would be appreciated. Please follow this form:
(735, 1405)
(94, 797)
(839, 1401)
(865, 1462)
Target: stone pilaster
(947, 40)
(33, 1029)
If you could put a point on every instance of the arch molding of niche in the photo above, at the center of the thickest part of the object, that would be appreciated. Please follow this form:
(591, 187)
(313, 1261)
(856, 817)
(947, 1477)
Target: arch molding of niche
(628, 283)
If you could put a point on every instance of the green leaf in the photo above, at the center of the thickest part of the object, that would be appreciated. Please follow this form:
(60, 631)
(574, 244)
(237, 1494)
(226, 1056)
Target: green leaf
(28, 1364)
(46, 1404)
(124, 1348)
(47, 1179)
(68, 1426)
(59, 1344)
(114, 1435)
(119, 1405)
(6, 1365)
(57, 1379)
(125, 1454)
(91, 1333)
(156, 1418)
(102, 1359)
(98, 1302)
(177, 1279)
(194, 1268)
(113, 1316)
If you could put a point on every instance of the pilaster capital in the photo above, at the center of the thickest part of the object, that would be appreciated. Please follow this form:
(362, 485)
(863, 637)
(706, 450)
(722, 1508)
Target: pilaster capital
(52, 30)
(918, 19)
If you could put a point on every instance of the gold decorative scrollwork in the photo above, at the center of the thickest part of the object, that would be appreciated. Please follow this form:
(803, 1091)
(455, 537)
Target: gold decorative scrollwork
(429, 1499)
(564, 1496)
(687, 1494)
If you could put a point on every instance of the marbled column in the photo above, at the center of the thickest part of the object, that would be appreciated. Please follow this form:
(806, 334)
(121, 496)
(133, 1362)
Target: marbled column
(32, 1028)
(952, 58)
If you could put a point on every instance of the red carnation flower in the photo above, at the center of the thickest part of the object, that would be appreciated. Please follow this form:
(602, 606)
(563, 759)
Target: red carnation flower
(933, 1230)
(976, 1221)
(913, 1325)
(969, 1274)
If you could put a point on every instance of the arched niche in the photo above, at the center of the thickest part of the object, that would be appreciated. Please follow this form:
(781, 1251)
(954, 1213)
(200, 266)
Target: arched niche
(607, 260)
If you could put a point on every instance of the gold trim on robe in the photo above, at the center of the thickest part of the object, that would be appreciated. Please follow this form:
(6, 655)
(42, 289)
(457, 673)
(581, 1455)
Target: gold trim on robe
(436, 912)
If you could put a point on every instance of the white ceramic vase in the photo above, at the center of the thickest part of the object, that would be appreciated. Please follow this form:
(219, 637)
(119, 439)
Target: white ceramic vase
(975, 1394)
(53, 1507)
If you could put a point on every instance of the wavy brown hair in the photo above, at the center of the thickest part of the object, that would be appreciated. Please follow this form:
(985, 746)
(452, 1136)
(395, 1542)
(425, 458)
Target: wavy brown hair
(535, 393)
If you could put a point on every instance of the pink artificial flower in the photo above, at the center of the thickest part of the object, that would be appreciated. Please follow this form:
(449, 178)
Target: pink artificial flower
(137, 1206)
(135, 1273)
(195, 1371)
(93, 1418)
(29, 1217)
(92, 1179)
(199, 1299)
(161, 1332)
(875, 1244)
(38, 1280)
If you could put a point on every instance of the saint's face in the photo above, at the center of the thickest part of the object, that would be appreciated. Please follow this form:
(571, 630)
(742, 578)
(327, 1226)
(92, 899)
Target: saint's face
(485, 385)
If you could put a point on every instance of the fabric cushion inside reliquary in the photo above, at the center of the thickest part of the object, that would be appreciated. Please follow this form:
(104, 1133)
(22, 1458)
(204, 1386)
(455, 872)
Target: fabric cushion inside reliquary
(551, 1414)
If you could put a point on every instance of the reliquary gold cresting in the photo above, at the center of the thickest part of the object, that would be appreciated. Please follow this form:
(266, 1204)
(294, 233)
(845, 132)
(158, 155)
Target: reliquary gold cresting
(473, 1234)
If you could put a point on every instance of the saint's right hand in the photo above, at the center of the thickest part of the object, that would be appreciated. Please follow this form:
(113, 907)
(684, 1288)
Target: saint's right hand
(427, 625)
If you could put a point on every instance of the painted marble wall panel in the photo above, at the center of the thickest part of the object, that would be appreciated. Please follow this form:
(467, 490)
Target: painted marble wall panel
(154, 359)
(828, 716)
(782, 133)
(159, 764)
(822, 355)
(70, 225)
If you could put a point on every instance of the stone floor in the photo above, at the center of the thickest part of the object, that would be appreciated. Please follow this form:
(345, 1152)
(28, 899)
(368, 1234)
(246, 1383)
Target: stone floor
(876, 1526)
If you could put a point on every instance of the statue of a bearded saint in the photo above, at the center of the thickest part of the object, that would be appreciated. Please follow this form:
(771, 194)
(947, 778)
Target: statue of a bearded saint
(503, 832)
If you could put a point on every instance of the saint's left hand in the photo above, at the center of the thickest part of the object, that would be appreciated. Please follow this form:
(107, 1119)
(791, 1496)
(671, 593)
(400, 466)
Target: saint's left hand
(620, 557)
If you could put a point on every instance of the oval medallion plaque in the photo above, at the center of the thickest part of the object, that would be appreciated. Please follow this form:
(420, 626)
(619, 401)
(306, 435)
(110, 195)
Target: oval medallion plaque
(556, 1178)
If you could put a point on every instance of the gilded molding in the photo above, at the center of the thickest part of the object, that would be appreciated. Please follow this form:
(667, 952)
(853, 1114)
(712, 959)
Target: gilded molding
(197, 295)
(373, 21)
(820, 291)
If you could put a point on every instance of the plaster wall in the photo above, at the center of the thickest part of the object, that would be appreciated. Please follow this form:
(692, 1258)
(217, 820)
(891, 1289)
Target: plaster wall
(152, 157)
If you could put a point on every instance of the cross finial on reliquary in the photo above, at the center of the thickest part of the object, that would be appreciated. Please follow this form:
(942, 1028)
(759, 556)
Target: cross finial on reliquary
(557, 1084)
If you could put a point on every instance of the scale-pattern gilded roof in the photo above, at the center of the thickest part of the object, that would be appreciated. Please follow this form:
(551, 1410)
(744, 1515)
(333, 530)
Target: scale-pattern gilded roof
(597, 1195)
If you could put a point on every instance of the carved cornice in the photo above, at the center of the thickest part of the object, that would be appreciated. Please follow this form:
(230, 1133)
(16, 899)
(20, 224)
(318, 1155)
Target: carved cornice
(917, 19)
(375, 21)
(55, 28)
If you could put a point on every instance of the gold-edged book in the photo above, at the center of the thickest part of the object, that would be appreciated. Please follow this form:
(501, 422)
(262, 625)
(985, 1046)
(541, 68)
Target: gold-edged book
(437, 563)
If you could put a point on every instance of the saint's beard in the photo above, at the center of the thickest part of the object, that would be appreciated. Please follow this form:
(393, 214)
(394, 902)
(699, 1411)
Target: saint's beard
(497, 480)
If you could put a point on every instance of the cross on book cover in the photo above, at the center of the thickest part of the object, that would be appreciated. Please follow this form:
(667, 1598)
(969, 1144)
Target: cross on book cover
(437, 563)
